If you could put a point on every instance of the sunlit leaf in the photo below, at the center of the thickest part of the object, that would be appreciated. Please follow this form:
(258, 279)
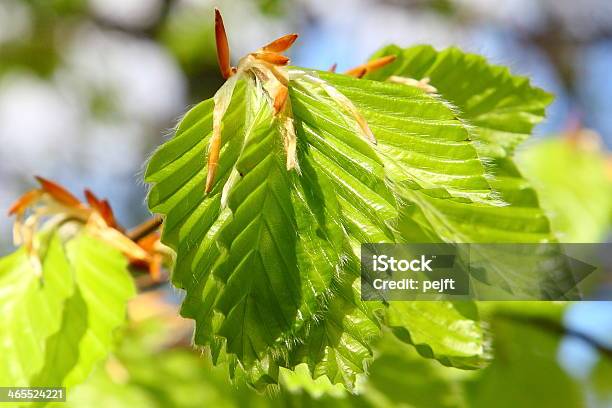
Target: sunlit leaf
(92, 313)
(575, 187)
(501, 110)
(259, 272)
(32, 310)
(72, 311)
(447, 331)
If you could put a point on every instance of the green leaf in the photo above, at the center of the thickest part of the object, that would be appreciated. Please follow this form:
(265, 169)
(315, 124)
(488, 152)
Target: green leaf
(525, 371)
(502, 110)
(141, 375)
(96, 308)
(503, 107)
(259, 273)
(300, 379)
(339, 345)
(447, 331)
(399, 376)
(262, 266)
(283, 245)
(59, 325)
(31, 310)
(574, 187)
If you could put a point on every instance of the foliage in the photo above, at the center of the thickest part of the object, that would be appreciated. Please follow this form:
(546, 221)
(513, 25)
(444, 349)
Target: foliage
(139, 375)
(507, 384)
(303, 167)
(501, 111)
(424, 179)
(58, 327)
(23, 297)
(574, 180)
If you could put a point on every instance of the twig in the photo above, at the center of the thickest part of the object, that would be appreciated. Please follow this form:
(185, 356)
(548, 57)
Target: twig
(145, 228)
(560, 329)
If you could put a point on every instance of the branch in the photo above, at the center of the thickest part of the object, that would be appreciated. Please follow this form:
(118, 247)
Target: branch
(560, 329)
(145, 228)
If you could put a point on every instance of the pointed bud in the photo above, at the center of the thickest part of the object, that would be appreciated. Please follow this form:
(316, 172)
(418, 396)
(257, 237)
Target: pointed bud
(19, 206)
(280, 99)
(223, 53)
(272, 58)
(281, 44)
(58, 192)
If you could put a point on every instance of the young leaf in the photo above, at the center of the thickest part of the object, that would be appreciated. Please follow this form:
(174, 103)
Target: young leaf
(447, 331)
(73, 309)
(303, 166)
(263, 265)
(339, 345)
(343, 185)
(95, 309)
(31, 310)
(282, 245)
(400, 377)
(504, 108)
(574, 186)
(501, 110)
